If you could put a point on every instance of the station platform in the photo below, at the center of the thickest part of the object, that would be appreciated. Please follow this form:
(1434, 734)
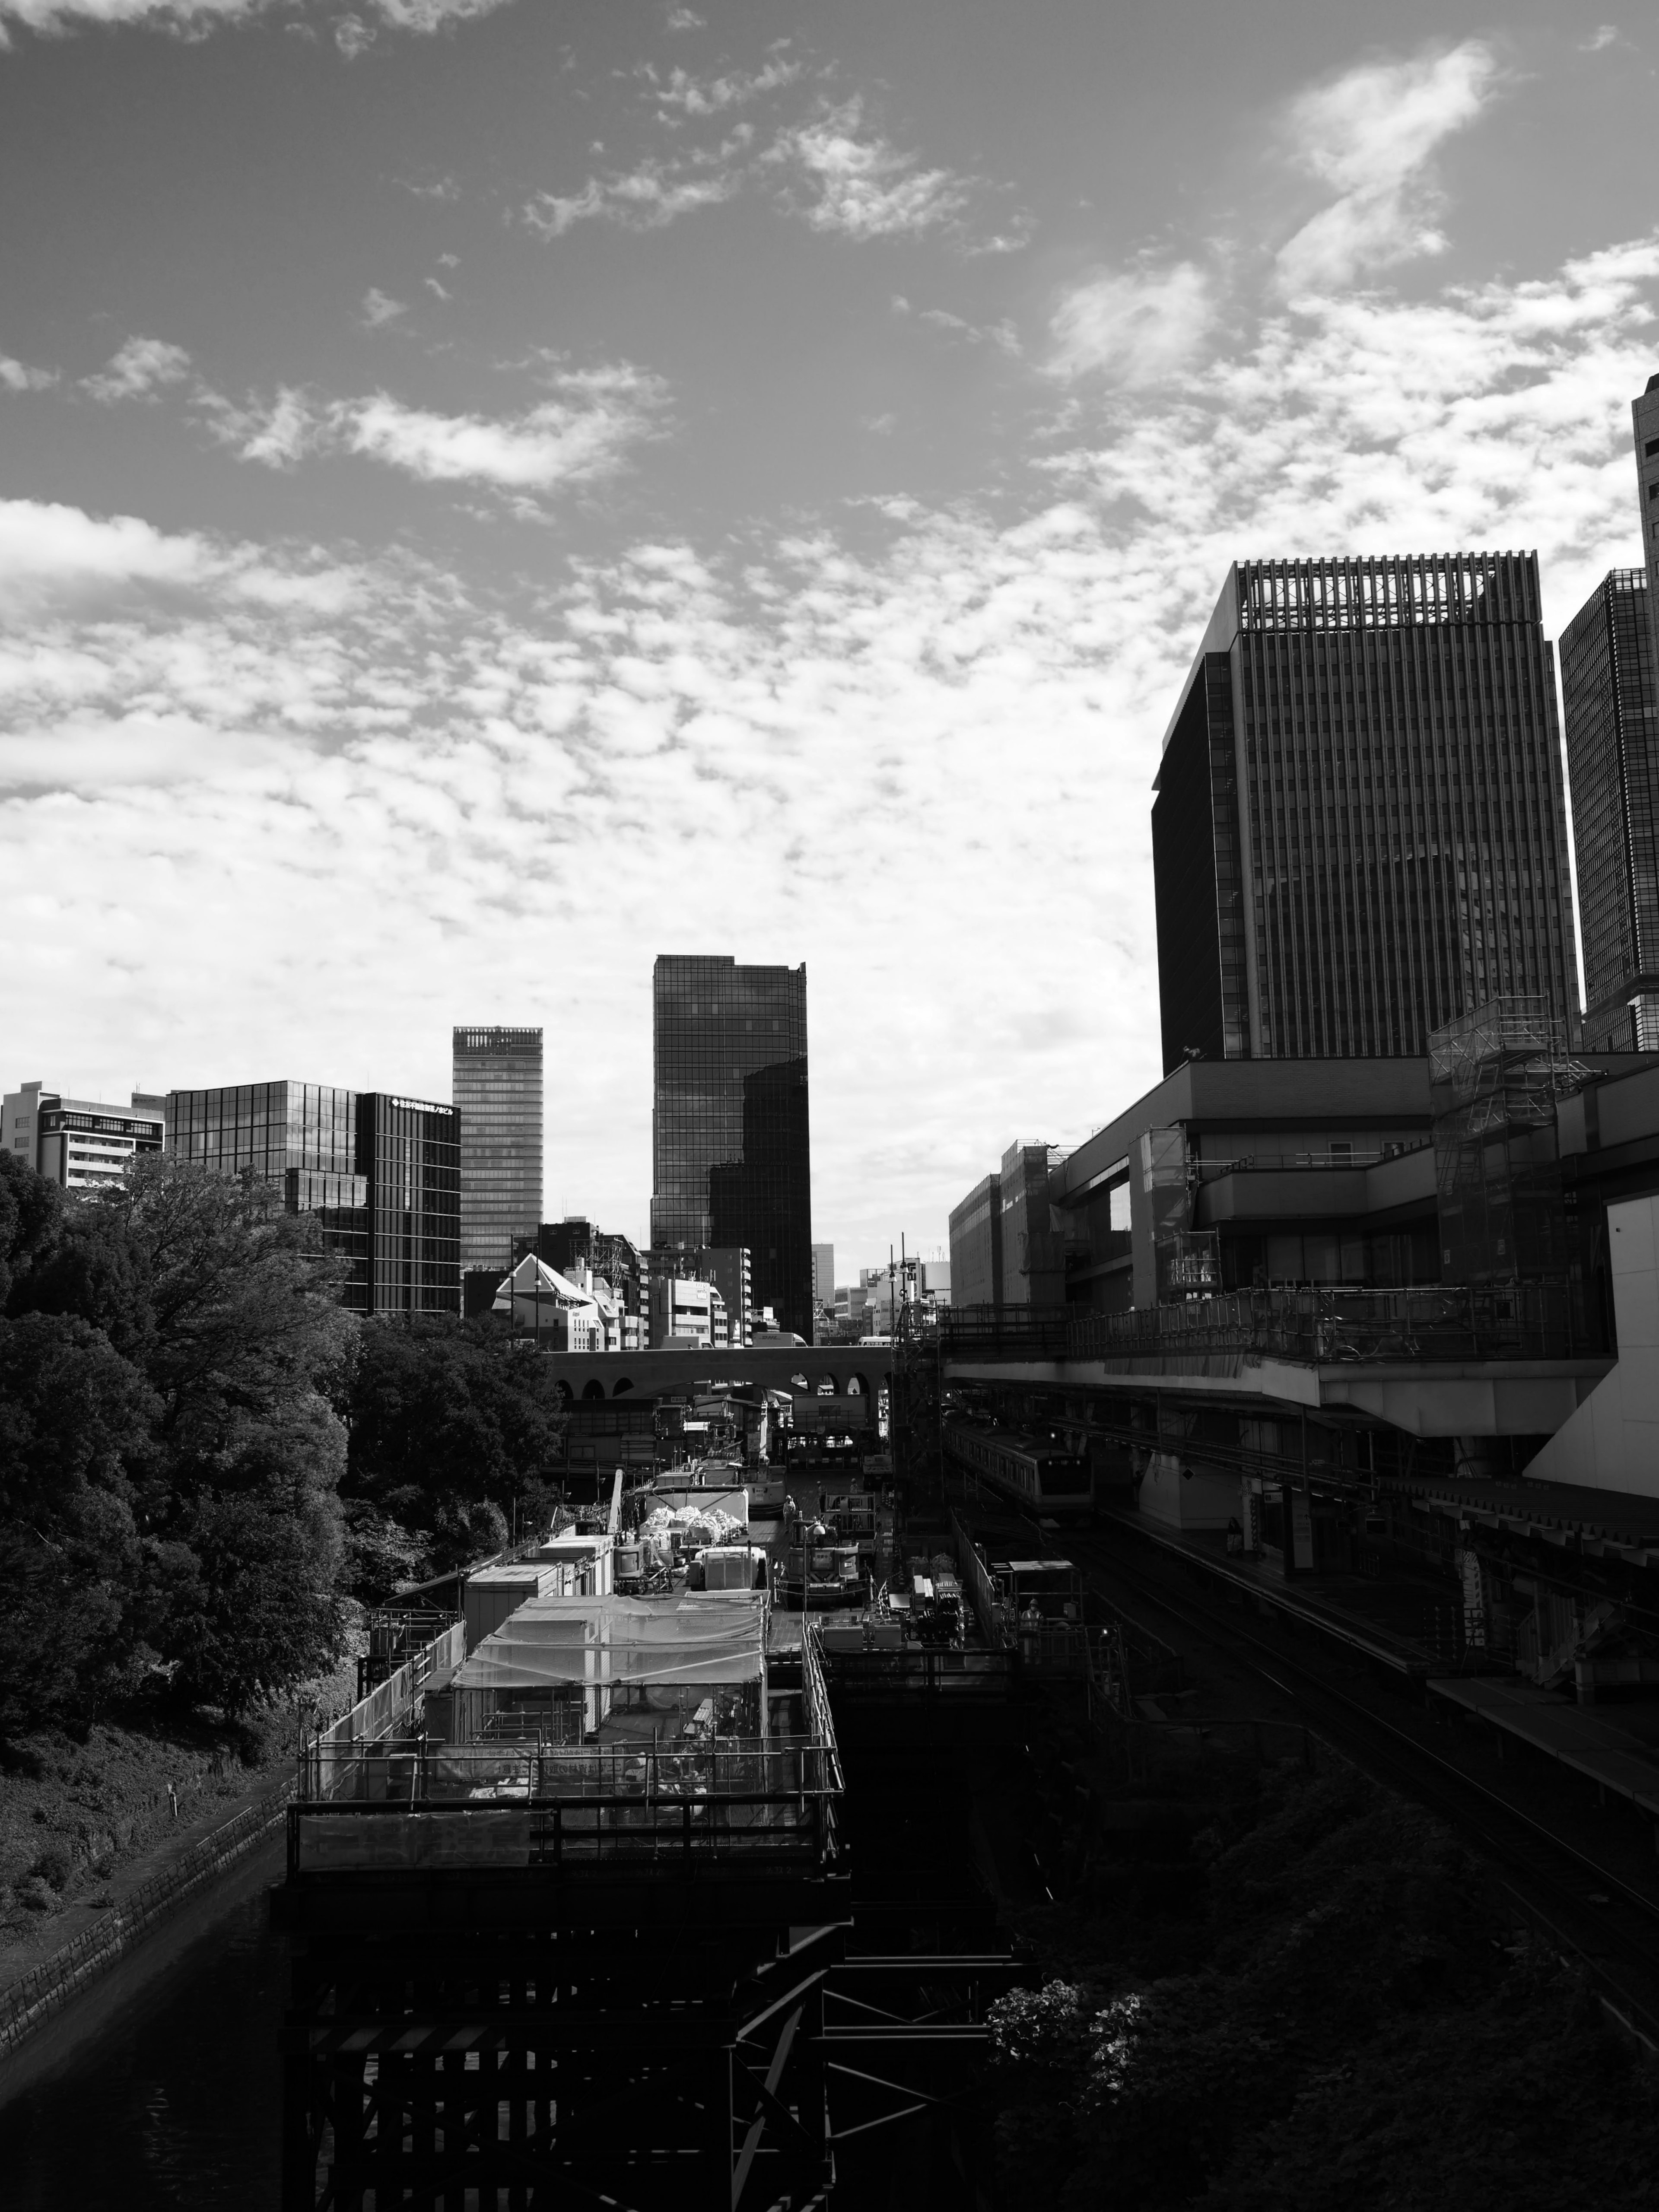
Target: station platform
(1623, 1759)
(1373, 1618)
(1558, 1512)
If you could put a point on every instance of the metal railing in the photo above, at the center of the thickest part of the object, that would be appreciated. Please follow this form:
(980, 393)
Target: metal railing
(1459, 1322)
(45, 1989)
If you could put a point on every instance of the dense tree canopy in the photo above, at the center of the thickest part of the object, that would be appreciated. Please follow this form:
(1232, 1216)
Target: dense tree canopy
(455, 1437)
(202, 1456)
(170, 1350)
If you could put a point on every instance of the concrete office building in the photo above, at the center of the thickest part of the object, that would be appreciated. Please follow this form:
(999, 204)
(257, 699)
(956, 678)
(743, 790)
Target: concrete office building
(379, 1175)
(1359, 832)
(976, 1245)
(687, 1312)
(1611, 707)
(85, 1144)
(497, 1087)
(824, 1277)
(730, 1146)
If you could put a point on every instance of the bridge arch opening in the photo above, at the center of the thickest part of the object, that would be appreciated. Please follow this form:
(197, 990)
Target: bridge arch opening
(621, 1387)
(594, 1389)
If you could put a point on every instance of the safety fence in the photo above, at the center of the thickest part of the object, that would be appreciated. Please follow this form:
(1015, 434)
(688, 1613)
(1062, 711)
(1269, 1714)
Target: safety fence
(374, 1715)
(34, 1997)
(1460, 1321)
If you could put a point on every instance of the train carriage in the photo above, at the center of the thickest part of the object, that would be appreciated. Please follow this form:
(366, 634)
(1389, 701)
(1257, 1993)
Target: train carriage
(1042, 1477)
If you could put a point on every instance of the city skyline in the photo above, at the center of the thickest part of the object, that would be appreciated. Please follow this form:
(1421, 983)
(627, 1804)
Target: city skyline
(560, 464)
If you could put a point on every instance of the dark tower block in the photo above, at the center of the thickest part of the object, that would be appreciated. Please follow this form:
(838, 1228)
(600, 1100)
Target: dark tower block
(1612, 761)
(730, 1137)
(1360, 828)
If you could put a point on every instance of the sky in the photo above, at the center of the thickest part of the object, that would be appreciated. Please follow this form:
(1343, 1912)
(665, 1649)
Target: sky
(493, 491)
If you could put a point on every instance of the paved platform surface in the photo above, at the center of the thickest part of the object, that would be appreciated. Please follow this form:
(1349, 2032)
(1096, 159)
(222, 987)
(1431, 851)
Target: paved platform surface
(1589, 1741)
(1375, 1617)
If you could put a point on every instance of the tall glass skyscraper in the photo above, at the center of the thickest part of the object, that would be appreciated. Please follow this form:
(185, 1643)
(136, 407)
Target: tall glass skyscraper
(380, 1175)
(498, 1088)
(1613, 760)
(1360, 830)
(730, 1145)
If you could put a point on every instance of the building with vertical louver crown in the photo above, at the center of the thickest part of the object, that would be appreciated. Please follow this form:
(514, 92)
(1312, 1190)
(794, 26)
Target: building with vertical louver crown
(1359, 832)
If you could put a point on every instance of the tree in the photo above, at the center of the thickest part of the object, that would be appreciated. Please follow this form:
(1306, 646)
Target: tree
(451, 1429)
(77, 1470)
(208, 1319)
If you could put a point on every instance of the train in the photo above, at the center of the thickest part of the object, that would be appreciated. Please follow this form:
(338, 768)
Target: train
(1045, 1481)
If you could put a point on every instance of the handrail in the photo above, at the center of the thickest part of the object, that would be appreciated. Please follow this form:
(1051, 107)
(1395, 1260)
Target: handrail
(1315, 1326)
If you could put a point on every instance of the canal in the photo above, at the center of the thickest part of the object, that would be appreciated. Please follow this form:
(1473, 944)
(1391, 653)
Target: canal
(160, 2086)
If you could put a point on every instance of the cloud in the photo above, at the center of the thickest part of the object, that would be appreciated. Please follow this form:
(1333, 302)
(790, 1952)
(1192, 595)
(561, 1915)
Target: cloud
(352, 34)
(1135, 327)
(18, 376)
(859, 186)
(276, 432)
(228, 755)
(680, 93)
(1372, 134)
(1603, 36)
(143, 370)
(379, 308)
(583, 434)
(647, 198)
(1003, 334)
(685, 19)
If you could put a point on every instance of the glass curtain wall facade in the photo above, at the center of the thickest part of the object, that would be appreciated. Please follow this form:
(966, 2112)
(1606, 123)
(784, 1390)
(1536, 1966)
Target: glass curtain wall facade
(1360, 826)
(731, 1147)
(299, 1138)
(410, 1153)
(380, 1175)
(498, 1090)
(1613, 763)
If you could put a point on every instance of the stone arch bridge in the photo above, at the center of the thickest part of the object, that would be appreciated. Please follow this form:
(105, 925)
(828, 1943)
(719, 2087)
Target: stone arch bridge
(800, 1369)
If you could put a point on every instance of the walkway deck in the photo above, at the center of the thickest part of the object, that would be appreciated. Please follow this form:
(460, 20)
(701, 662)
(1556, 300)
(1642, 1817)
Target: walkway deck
(1559, 1511)
(1588, 1741)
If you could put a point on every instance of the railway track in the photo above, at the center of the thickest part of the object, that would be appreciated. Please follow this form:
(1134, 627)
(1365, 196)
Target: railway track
(1604, 1923)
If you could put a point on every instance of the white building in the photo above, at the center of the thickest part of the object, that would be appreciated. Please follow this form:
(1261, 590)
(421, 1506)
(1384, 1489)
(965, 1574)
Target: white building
(81, 1142)
(685, 1312)
(561, 1315)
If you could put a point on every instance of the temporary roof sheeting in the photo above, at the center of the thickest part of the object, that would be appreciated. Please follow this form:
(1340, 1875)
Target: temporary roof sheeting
(549, 1643)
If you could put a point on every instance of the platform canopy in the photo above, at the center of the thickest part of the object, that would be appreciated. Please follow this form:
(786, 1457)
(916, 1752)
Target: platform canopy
(590, 1641)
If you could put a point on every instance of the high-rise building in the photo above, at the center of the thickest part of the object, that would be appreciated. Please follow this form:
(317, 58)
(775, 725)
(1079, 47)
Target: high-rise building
(379, 1175)
(731, 1150)
(408, 1153)
(823, 1276)
(1359, 832)
(1645, 422)
(1612, 703)
(498, 1088)
(83, 1143)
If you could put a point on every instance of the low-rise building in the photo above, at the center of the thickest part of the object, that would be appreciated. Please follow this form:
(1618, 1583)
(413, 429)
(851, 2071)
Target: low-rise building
(85, 1144)
(686, 1311)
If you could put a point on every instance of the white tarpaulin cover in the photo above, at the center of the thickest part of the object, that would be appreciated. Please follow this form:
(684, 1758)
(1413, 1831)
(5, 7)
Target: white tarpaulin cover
(592, 1641)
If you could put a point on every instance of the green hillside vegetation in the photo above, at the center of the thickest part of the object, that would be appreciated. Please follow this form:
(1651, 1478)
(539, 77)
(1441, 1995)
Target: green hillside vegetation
(1323, 2002)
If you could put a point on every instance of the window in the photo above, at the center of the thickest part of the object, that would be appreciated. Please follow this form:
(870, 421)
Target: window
(1650, 448)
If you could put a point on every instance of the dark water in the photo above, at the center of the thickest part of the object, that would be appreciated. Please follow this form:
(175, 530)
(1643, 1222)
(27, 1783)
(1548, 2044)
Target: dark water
(163, 2089)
